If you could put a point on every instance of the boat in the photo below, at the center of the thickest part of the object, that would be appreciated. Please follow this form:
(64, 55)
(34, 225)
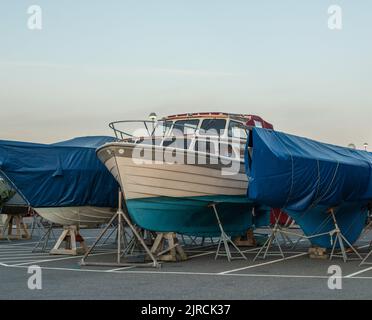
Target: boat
(326, 189)
(64, 182)
(174, 169)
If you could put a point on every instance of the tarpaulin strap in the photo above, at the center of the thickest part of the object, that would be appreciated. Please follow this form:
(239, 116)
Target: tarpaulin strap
(323, 224)
(316, 201)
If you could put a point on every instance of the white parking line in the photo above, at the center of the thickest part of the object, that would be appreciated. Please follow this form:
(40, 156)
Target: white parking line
(19, 244)
(358, 272)
(58, 259)
(264, 263)
(200, 255)
(185, 273)
(22, 257)
(120, 269)
(6, 252)
(21, 254)
(179, 273)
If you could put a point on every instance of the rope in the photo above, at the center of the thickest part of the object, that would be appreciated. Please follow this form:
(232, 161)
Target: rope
(316, 201)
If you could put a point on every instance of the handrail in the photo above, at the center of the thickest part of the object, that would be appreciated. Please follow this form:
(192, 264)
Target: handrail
(123, 135)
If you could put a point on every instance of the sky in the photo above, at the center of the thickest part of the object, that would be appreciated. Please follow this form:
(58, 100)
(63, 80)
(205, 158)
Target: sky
(94, 62)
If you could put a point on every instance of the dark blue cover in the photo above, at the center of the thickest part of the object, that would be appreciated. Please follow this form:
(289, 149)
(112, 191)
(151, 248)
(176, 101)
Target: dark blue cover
(85, 142)
(63, 174)
(305, 178)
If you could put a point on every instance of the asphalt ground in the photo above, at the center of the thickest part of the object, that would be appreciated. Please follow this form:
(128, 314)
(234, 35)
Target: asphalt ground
(200, 277)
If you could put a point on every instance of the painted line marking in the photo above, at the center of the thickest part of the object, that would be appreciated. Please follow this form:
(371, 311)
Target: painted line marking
(178, 273)
(10, 254)
(264, 263)
(19, 244)
(20, 251)
(58, 259)
(23, 257)
(185, 273)
(358, 272)
(200, 254)
(119, 269)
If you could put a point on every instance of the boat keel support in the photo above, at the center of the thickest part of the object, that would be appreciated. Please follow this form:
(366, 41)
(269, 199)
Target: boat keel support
(226, 240)
(20, 228)
(70, 237)
(166, 247)
(341, 240)
(123, 246)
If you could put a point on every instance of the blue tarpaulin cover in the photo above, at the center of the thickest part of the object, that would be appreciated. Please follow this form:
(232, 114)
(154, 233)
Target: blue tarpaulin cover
(305, 178)
(66, 174)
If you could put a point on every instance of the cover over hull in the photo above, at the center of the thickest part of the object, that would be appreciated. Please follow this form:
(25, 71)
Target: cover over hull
(307, 178)
(65, 182)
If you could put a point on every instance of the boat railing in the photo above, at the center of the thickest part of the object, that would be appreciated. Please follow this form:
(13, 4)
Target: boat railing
(126, 129)
(135, 129)
(165, 133)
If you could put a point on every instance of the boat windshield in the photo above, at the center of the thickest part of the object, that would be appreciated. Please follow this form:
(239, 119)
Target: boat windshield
(184, 127)
(213, 127)
(184, 134)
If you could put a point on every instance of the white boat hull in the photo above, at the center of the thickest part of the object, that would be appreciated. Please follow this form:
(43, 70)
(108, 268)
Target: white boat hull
(166, 197)
(144, 180)
(80, 216)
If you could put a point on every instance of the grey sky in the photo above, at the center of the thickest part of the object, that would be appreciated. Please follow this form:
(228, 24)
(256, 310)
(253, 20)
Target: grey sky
(99, 61)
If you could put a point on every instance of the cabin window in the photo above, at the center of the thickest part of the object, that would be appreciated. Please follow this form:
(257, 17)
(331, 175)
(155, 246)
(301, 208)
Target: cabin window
(213, 127)
(167, 127)
(182, 127)
(237, 130)
(205, 146)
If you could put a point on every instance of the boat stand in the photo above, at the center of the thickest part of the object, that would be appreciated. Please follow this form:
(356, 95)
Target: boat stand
(226, 240)
(364, 261)
(42, 244)
(368, 227)
(121, 219)
(276, 231)
(336, 238)
(341, 240)
(37, 225)
(71, 237)
(247, 241)
(166, 247)
(268, 244)
(21, 229)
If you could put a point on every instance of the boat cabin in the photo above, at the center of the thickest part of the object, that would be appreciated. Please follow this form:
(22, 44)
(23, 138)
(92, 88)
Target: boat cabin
(206, 132)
